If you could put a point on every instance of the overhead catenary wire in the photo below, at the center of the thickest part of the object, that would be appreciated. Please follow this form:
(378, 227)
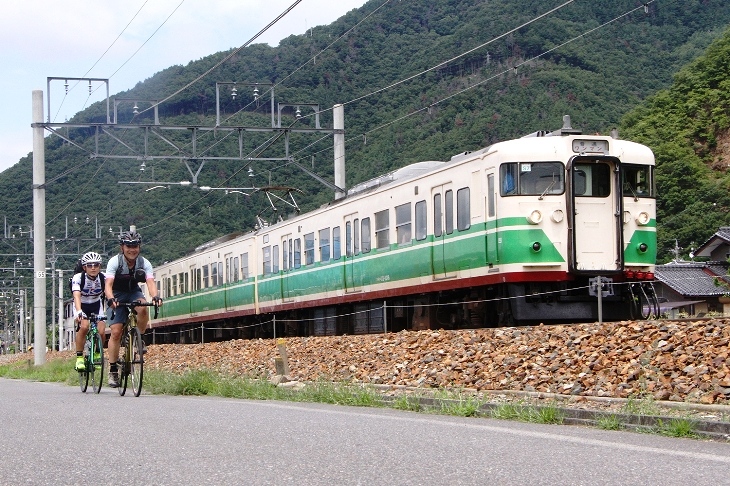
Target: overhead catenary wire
(104, 54)
(226, 58)
(469, 88)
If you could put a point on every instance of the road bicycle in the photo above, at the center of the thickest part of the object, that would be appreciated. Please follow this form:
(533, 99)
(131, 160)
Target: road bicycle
(93, 358)
(131, 359)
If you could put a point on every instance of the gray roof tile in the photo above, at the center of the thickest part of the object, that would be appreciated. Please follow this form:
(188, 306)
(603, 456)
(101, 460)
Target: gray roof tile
(693, 279)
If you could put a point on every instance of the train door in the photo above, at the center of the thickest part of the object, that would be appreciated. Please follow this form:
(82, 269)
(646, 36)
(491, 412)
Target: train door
(287, 263)
(352, 249)
(597, 239)
(443, 227)
(491, 219)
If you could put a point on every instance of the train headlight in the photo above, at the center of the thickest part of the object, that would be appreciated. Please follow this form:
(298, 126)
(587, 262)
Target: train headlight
(536, 246)
(535, 217)
(643, 247)
(643, 218)
(557, 215)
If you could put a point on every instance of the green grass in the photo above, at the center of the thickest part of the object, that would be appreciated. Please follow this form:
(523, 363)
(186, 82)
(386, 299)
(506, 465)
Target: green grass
(640, 406)
(679, 427)
(408, 403)
(547, 414)
(609, 422)
(463, 407)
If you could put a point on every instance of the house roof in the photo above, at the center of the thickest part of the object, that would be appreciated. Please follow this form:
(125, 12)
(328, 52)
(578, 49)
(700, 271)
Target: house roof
(722, 237)
(693, 279)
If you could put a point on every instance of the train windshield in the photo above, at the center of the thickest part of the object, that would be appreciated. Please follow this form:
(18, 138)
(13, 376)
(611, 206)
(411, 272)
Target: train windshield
(638, 180)
(532, 178)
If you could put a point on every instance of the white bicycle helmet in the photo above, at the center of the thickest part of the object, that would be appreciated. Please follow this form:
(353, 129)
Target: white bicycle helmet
(90, 257)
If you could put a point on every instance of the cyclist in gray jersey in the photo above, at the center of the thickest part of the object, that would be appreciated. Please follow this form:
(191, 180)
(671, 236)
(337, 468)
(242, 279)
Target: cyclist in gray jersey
(123, 275)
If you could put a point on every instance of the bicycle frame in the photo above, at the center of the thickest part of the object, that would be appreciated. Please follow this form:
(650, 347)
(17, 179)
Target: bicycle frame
(94, 368)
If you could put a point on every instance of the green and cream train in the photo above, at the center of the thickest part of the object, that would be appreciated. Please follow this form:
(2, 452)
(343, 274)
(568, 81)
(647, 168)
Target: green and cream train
(552, 227)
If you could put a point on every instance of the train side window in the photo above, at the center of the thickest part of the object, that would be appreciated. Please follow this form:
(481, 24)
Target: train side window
(198, 279)
(437, 215)
(244, 265)
(174, 285)
(348, 239)
(235, 269)
(382, 229)
(168, 288)
(463, 209)
(309, 248)
(491, 207)
(220, 273)
(214, 274)
(187, 283)
(356, 236)
(449, 211)
(266, 257)
(285, 255)
(421, 221)
(365, 233)
(181, 283)
(336, 248)
(206, 281)
(403, 223)
(324, 245)
(297, 253)
(291, 254)
(275, 259)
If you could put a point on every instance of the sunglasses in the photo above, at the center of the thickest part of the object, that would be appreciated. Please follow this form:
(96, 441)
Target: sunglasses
(93, 265)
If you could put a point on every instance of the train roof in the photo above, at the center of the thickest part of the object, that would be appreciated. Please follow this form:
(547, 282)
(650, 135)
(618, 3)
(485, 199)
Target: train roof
(404, 173)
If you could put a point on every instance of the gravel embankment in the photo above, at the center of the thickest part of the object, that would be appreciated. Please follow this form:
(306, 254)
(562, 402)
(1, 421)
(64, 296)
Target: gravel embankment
(667, 360)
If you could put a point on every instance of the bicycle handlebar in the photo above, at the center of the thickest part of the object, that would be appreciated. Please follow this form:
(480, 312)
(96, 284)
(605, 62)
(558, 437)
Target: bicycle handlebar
(137, 303)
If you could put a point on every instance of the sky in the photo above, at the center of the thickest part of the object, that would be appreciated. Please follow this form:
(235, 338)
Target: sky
(41, 39)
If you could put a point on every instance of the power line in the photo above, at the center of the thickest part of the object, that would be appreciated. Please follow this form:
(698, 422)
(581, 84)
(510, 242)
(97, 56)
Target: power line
(229, 56)
(105, 52)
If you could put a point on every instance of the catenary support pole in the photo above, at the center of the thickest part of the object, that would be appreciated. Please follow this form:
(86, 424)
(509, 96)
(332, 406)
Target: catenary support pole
(39, 231)
(61, 336)
(338, 113)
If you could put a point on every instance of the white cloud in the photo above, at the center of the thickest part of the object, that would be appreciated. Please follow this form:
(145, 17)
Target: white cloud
(44, 39)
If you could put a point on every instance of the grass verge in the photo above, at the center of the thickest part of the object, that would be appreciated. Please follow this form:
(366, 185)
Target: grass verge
(445, 402)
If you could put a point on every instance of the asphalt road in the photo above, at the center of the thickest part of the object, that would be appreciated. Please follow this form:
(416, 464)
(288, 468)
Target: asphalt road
(53, 434)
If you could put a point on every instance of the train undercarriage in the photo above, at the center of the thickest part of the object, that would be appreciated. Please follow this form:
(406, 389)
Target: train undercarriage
(488, 306)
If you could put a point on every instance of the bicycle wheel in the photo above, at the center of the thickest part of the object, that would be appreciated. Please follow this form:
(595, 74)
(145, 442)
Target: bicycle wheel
(97, 363)
(123, 363)
(84, 377)
(123, 368)
(137, 363)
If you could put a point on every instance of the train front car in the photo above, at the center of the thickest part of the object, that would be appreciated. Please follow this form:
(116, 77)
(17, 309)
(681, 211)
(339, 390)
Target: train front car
(575, 217)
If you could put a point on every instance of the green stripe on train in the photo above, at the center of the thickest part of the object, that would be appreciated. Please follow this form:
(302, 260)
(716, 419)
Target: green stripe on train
(462, 250)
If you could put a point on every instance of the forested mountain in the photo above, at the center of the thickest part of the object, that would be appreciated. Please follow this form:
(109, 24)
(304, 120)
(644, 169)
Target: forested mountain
(420, 80)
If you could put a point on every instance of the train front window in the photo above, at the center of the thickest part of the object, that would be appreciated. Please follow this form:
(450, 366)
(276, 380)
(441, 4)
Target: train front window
(637, 181)
(531, 178)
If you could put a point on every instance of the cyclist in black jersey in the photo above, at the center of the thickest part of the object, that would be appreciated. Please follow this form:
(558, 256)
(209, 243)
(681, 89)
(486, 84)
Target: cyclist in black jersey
(87, 291)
